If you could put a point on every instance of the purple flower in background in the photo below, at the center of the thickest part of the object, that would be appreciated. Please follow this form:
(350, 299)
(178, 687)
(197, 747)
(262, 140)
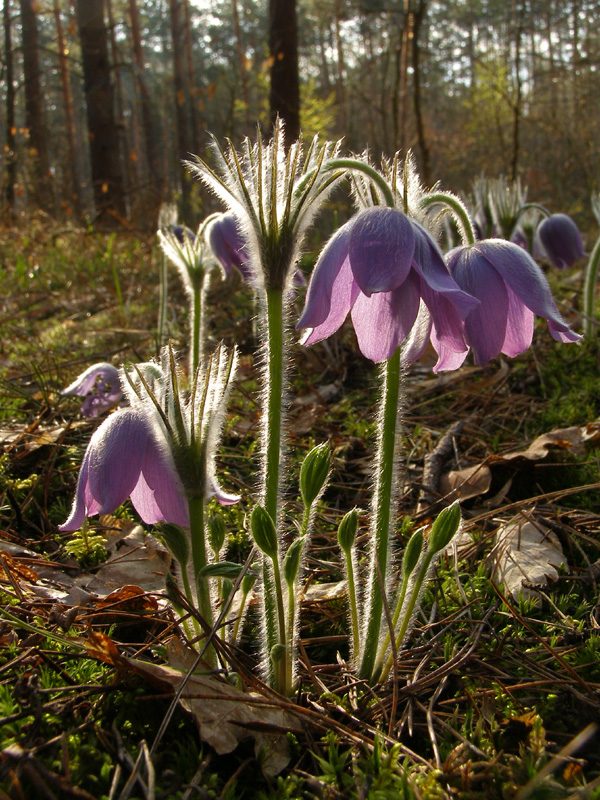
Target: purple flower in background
(379, 266)
(511, 289)
(560, 240)
(228, 245)
(102, 384)
(161, 450)
(182, 232)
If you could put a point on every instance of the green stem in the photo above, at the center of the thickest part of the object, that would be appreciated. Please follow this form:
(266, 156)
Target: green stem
(591, 272)
(281, 684)
(387, 640)
(458, 210)
(197, 343)
(408, 614)
(382, 510)
(162, 308)
(353, 603)
(188, 593)
(197, 531)
(527, 206)
(272, 454)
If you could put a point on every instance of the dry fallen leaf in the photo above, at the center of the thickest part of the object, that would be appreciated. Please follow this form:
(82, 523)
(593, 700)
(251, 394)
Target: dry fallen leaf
(525, 556)
(466, 483)
(571, 439)
(225, 716)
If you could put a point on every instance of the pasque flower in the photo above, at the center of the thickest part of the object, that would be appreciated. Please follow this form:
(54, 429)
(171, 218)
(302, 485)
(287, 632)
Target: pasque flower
(100, 385)
(228, 245)
(160, 450)
(378, 266)
(511, 289)
(560, 240)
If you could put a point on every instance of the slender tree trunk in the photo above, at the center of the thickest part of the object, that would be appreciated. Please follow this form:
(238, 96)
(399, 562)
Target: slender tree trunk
(418, 18)
(284, 95)
(241, 58)
(34, 113)
(514, 164)
(184, 145)
(11, 156)
(155, 165)
(122, 130)
(107, 179)
(405, 51)
(74, 179)
(341, 66)
(191, 80)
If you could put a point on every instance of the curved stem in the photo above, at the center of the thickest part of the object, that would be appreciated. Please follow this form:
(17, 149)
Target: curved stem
(197, 343)
(382, 511)
(197, 530)
(528, 206)
(460, 213)
(591, 272)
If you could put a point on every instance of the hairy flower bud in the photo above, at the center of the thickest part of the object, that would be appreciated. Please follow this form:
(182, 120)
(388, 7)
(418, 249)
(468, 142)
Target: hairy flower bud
(263, 531)
(444, 528)
(291, 562)
(412, 553)
(314, 472)
(347, 530)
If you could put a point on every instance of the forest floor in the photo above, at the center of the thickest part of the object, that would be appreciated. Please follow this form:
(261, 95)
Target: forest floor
(497, 695)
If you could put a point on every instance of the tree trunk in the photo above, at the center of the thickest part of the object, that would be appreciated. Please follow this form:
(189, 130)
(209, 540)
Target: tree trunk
(34, 113)
(74, 180)
(284, 96)
(11, 161)
(418, 18)
(184, 145)
(107, 179)
(191, 80)
(241, 58)
(155, 164)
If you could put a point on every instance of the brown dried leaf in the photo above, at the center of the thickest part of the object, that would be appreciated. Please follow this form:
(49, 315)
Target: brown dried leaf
(131, 599)
(225, 716)
(524, 556)
(466, 483)
(17, 570)
(100, 646)
(571, 439)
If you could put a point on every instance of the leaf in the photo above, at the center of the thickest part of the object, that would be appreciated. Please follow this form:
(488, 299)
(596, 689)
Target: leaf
(572, 439)
(466, 483)
(225, 716)
(525, 556)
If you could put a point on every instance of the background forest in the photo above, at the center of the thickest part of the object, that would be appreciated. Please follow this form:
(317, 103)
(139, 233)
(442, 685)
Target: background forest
(483, 86)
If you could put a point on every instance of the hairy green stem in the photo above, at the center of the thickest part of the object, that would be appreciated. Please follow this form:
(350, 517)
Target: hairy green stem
(197, 343)
(353, 603)
(458, 210)
(197, 535)
(589, 320)
(382, 511)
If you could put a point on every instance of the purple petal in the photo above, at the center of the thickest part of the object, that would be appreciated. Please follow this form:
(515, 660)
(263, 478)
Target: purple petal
(381, 248)
(331, 291)
(519, 326)
(228, 245)
(448, 359)
(418, 339)
(83, 501)
(223, 498)
(527, 281)
(85, 382)
(429, 263)
(116, 455)
(485, 327)
(384, 320)
(158, 495)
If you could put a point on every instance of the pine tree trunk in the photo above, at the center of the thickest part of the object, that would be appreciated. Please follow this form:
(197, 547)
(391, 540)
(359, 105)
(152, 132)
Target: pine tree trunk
(285, 81)
(74, 180)
(107, 179)
(11, 162)
(183, 136)
(41, 189)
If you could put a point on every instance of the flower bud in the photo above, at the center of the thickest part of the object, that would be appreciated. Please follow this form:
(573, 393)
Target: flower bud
(176, 540)
(291, 562)
(263, 531)
(216, 532)
(314, 472)
(347, 530)
(248, 582)
(444, 528)
(220, 569)
(412, 553)
(277, 653)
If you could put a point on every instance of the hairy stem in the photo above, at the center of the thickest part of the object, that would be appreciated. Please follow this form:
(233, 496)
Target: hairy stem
(591, 272)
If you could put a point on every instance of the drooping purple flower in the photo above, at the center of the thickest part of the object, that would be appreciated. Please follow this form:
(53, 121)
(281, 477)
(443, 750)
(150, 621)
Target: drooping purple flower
(160, 451)
(101, 384)
(379, 266)
(560, 240)
(511, 289)
(228, 245)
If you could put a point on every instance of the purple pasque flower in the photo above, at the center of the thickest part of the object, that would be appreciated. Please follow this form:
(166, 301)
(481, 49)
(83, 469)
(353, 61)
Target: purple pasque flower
(101, 384)
(511, 289)
(378, 267)
(560, 240)
(160, 451)
(228, 245)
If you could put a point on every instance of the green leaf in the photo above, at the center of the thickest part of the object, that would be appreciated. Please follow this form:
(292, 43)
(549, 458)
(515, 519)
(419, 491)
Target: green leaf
(220, 569)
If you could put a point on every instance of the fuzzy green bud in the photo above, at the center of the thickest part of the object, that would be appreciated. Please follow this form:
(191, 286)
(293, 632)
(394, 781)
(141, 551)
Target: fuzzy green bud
(444, 528)
(291, 562)
(226, 589)
(277, 653)
(263, 531)
(176, 540)
(216, 532)
(313, 473)
(347, 530)
(412, 553)
(248, 582)
(220, 569)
